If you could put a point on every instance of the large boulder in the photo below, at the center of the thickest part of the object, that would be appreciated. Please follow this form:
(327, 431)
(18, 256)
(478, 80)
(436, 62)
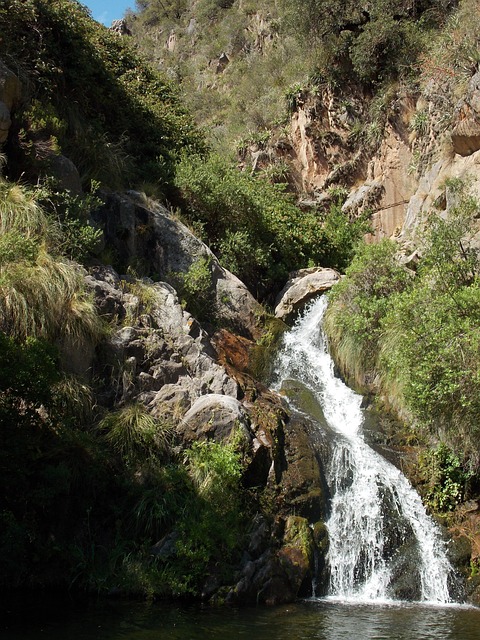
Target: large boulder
(159, 355)
(214, 417)
(10, 96)
(65, 173)
(302, 286)
(146, 233)
(283, 571)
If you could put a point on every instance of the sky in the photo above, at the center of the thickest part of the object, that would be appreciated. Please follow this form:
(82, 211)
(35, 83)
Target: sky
(106, 11)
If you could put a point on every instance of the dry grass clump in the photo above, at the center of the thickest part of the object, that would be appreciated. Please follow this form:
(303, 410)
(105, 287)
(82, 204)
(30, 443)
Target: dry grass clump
(40, 296)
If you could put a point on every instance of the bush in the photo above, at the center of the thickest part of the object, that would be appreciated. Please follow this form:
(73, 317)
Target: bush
(136, 435)
(255, 227)
(39, 295)
(446, 479)
(196, 290)
(375, 43)
(95, 98)
(419, 335)
(359, 303)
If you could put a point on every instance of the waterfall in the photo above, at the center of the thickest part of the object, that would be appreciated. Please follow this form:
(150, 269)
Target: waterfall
(383, 545)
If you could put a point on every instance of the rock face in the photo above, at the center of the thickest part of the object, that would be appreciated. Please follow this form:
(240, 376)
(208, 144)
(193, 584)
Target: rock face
(278, 564)
(146, 234)
(466, 130)
(302, 286)
(158, 355)
(10, 96)
(121, 27)
(284, 556)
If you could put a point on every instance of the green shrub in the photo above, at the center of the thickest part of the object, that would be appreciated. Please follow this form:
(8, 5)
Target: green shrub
(359, 303)
(196, 290)
(211, 533)
(375, 43)
(135, 434)
(274, 236)
(95, 98)
(420, 335)
(446, 479)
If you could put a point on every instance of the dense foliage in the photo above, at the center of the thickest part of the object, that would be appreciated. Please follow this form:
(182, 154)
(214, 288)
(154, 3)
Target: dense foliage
(90, 96)
(375, 41)
(272, 48)
(419, 332)
(256, 228)
(83, 494)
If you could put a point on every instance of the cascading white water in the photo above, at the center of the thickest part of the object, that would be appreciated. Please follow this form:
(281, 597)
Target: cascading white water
(375, 512)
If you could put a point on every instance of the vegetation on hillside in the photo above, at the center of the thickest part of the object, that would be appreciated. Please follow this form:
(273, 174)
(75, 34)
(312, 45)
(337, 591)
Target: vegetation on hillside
(256, 228)
(87, 491)
(89, 95)
(418, 334)
(274, 47)
(85, 495)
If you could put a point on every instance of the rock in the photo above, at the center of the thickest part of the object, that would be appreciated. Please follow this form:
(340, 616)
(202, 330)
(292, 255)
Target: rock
(150, 235)
(104, 283)
(66, 173)
(121, 27)
(365, 196)
(302, 286)
(304, 487)
(466, 130)
(297, 554)
(214, 417)
(283, 571)
(222, 63)
(166, 547)
(10, 87)
(163, 358)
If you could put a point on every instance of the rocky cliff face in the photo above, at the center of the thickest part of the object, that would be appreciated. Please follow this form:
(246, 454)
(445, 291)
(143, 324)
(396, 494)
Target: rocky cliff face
(159, 355)
(397, 165)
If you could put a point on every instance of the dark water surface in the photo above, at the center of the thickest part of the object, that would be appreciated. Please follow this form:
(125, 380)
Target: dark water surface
(322, 620)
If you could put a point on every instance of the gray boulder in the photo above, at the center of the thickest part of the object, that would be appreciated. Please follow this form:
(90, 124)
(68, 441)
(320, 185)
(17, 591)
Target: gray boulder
(214, 417)
(159, 355)
(302, 286)
(146, 232)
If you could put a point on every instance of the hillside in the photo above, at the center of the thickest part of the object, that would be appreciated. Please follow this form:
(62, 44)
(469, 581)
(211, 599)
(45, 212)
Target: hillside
(157, 189)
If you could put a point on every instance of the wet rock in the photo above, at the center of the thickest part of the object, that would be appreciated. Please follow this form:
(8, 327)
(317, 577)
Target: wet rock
(304, 488)
(283, 571)
(297, 553)
(302, 286)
